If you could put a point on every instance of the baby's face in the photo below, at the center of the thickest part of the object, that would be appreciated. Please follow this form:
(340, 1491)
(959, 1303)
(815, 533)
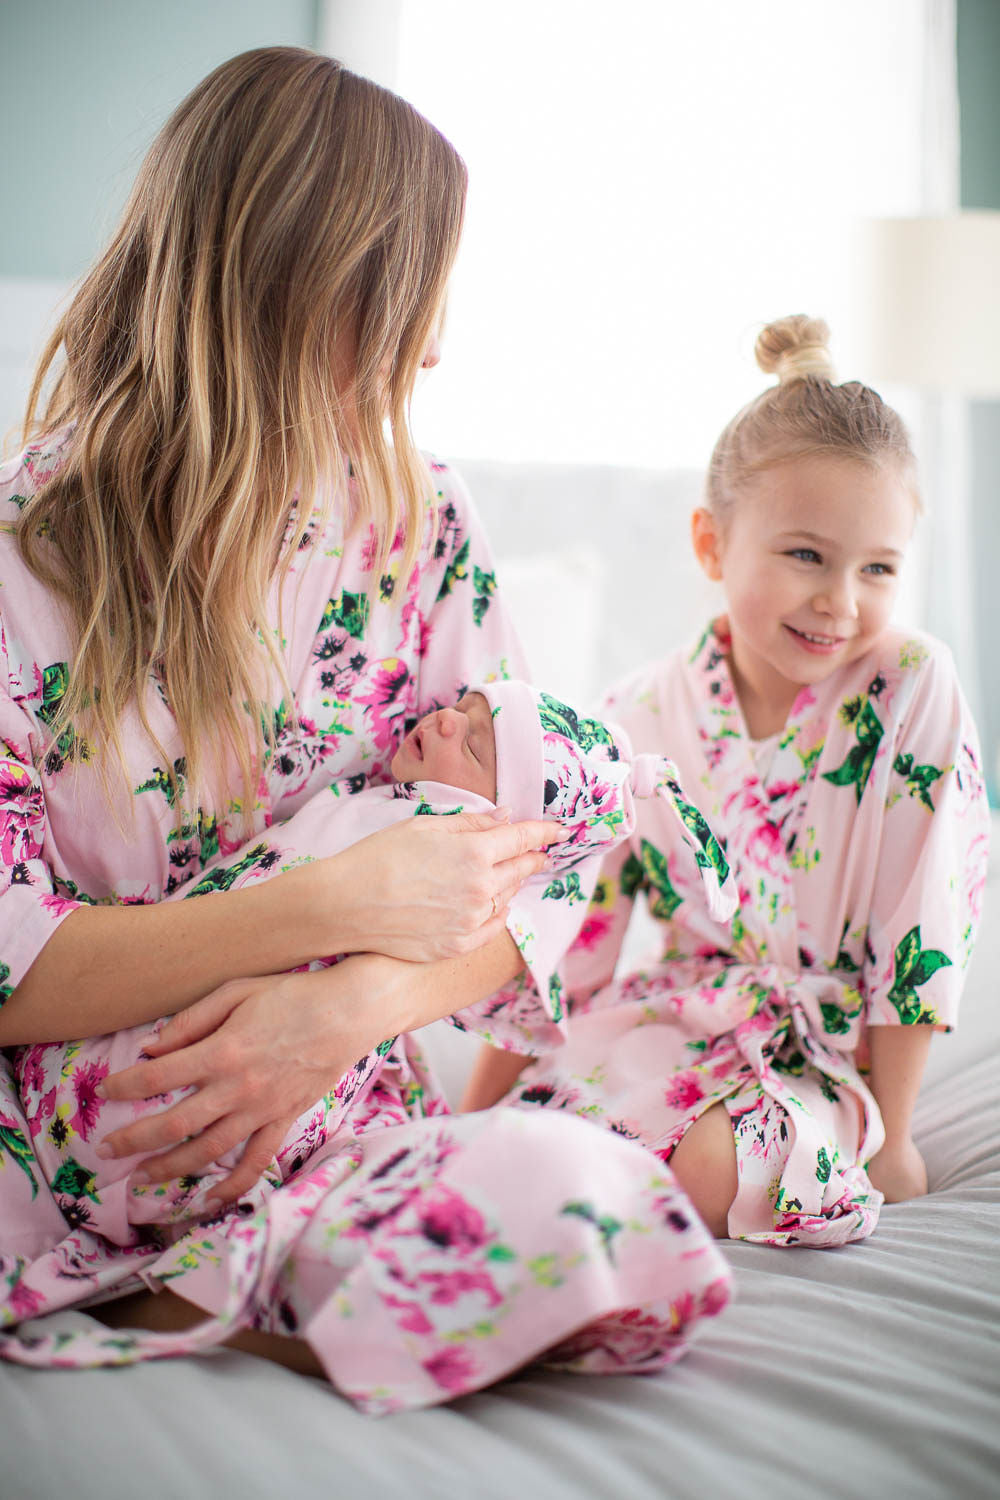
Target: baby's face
(454, 746)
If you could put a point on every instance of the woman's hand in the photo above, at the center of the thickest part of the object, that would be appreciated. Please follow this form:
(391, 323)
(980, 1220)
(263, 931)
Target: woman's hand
(898, 1171)
(257, 1053)
(434, 888)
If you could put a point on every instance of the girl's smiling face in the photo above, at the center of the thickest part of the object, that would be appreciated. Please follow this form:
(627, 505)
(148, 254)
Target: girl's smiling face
(809, 556)
(454, 746)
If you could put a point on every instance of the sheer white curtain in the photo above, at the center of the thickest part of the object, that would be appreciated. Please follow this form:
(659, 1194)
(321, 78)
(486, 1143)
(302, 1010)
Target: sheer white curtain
(649, 183)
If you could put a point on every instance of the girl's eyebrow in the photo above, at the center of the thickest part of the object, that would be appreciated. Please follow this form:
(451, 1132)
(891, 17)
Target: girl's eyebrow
(825, 541)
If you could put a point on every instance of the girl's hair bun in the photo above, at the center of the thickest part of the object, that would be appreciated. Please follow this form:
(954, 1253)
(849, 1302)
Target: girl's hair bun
(794, 348)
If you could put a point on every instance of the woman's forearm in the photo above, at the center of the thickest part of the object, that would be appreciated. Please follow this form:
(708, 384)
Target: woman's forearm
(107, 967)
(421, 993)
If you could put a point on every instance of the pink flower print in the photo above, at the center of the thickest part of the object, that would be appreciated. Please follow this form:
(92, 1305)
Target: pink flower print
(453, 1369)
(22, 808)
(715, 1297)
(409, 1316)
(88, 1104)
(594, 930)
(57, 906)
(976, 871)
(31, 1070)
(448, 1286)
(766, 849)
(41, 464)
(388, 699)
(683, 1092)
(23, 1302)
(781, 789)
(448, 1221)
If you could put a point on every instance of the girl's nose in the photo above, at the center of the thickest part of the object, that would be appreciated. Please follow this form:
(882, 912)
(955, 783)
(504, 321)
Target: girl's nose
(838, 599)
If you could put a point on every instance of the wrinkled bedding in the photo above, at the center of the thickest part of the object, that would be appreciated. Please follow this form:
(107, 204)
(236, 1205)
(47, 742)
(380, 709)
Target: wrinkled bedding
(863, 1371)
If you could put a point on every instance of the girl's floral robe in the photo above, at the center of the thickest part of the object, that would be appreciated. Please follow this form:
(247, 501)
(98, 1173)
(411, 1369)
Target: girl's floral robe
(860, 857)
(420, 1255)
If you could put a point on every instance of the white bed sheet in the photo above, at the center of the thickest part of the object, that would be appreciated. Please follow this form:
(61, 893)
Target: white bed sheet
(872, 1370)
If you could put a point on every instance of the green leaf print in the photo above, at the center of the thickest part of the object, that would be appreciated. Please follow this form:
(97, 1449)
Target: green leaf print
(845, 963)
(161, 782)
(666, 901)
(15, 1144)
(835, 1022)
(6, 990)
(606, 1225)
(919, 779)
(914, 966)
(385, 1047)
(559, 718)
(823, 1167)
(485, 585)
(75, 1181)
(349, 611)
(632, 876)
(55, 681)
(555, 997)
(857, 766)
(456, 570)
(224, 879)
(567, 890)
(708, 855)
(208, 834)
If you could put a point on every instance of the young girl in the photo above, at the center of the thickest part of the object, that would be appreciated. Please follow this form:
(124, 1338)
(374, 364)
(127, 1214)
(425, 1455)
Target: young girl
(225, 598)
(775, 1064)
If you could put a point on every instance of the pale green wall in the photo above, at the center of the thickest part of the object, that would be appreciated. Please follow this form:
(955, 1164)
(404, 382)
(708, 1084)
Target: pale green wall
(979, 103)
(86, 85)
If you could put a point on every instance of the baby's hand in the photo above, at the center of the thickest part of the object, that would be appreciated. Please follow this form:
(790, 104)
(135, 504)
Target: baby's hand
(898, 1171)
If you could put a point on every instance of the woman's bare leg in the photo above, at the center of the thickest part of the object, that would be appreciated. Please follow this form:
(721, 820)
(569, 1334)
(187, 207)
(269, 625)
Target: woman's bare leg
(705, 1166)
(165, 1312)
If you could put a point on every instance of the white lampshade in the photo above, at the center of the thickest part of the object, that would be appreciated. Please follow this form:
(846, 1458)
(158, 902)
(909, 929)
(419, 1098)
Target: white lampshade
(928, 302)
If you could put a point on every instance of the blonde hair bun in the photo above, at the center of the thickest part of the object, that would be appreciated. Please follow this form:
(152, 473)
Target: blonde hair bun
(794, 348)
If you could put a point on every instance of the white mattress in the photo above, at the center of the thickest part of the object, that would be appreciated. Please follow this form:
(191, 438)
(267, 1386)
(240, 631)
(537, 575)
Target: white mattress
(872, 1370)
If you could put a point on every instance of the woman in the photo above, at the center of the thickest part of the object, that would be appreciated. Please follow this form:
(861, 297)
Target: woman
(226, 596)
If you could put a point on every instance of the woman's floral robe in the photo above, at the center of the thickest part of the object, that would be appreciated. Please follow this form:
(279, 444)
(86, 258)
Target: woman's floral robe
(419, 1254)
(860, 857)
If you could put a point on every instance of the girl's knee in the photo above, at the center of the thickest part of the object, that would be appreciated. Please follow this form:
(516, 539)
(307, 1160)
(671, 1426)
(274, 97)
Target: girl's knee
(704, 1164)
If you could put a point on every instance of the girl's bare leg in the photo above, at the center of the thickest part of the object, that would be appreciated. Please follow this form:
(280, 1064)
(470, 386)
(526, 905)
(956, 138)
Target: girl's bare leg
(705, 1166)
(165, 1312)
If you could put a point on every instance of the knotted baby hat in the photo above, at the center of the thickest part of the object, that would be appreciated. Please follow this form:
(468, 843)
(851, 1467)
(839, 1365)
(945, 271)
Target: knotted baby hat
(552, 763)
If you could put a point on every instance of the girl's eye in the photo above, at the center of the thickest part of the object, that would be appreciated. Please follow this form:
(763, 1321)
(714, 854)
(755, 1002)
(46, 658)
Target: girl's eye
(880, 570)
(805, 554)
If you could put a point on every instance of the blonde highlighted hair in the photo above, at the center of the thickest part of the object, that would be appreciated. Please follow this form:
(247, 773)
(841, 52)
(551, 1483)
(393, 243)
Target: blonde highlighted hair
(805, 414)
(260, 314)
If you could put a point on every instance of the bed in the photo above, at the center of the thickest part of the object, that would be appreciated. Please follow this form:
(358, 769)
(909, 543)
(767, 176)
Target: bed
(869, 1370)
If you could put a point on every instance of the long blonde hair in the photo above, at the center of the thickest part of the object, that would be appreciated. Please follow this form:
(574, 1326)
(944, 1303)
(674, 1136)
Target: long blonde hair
(807, 413)
(261, 312)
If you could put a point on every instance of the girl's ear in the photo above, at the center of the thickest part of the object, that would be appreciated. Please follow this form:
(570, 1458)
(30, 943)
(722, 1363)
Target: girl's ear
(707, 542)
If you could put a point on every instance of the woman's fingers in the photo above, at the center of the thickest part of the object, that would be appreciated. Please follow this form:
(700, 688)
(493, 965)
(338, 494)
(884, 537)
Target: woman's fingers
(160, 1129)
(204, 1150)
(155, 1076)
(197, 1021)
(261, 1148)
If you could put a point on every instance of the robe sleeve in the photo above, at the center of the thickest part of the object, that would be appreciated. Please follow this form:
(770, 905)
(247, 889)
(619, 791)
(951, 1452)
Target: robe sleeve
(571, 939)
(30, 908)
(932, 859)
